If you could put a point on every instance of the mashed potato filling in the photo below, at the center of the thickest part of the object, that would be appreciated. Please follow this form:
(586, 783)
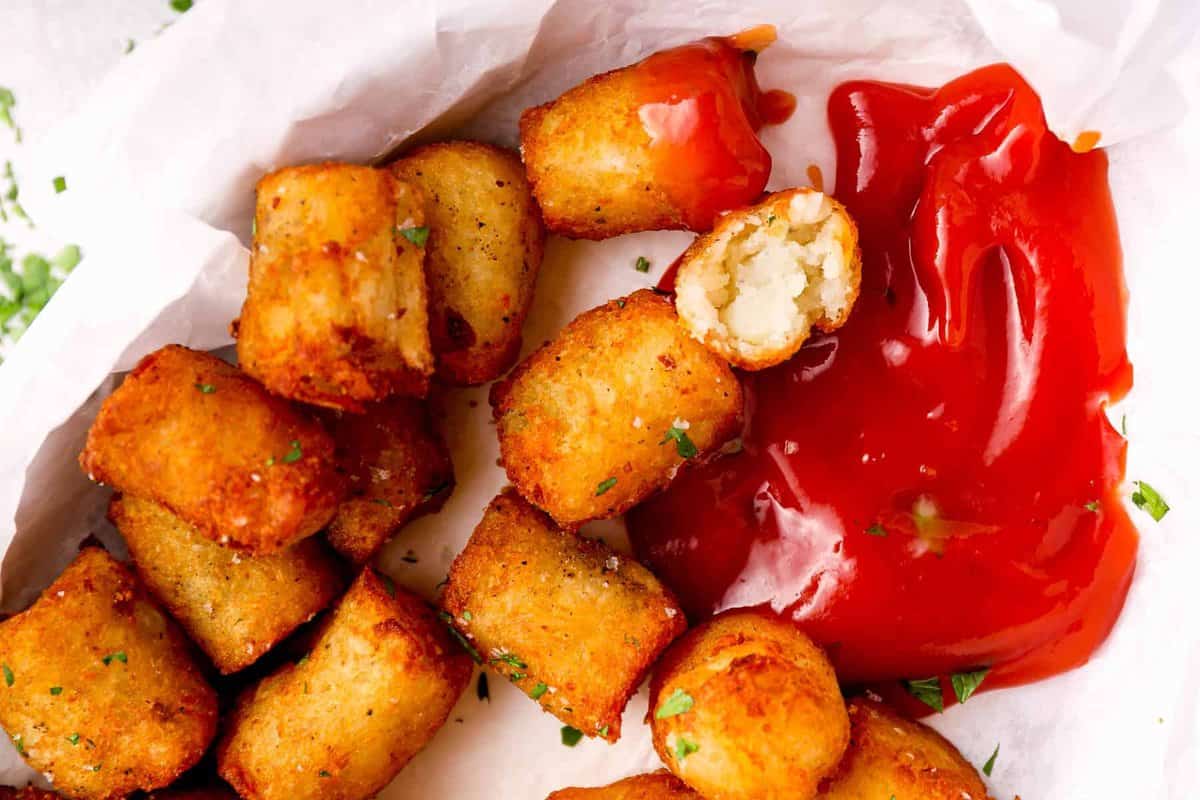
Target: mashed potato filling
(759, 289)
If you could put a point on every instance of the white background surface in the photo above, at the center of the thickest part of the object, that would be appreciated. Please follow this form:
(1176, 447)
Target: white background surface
(1124, 727)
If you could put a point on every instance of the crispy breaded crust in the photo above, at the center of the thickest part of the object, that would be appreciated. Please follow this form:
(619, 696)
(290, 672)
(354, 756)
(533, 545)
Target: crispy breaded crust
(587, 156)
(596, 403)
(568, 620)
(893, 757)
(100, 690)
(397, 466)
(766, 718)
(828, 296)
(235, 606)
(483, 254)
(195, 434)
(659, 785)
(378, 683)
(335, 311)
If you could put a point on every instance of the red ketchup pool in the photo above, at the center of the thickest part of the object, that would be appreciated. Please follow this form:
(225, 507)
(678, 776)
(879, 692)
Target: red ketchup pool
(935, 487)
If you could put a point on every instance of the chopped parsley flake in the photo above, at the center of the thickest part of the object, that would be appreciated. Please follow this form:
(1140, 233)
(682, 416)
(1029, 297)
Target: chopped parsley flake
(770, 218)
(73, 738)
(571, 736)
(7, 101)
(538, 690)
(517, 676)
(642, 264)
(417, 236)
(293, 455)
(481, 687)
(467, 616)
(181, 6)
(1149, 500)
(605, 485)
(965, 683)
(9, 678)
(512, 659)
(55, 690)
(205, 388)
(684, 748)
(680, 702)
(323, 773)
(129, 45)
(19, 743)
(928, 691)
(117, 656)
(877, 530)
(603, 731)
(1092, 505)
(60, 184)
(991, 762)
(683, 445)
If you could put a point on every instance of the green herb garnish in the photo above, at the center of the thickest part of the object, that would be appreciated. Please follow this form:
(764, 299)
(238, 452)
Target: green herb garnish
(684, 748)
(9, 678)
(458, 637)
(323, 773)
(117, 656)
(876, 530)
(683, 445)
(642, 264)
(417, 236)
(1092, 505)
(991, 762)
(512, 659)
(965, 683)
(19, 743)
(571, 736)
(73, 738)
(1149, 500)
(605, 485)
(55, 690)
(205, 388)
(7, 101)
(928, 691)
(680, 702)
(293, 455)
(181, 5)
(538, 691)
(60, 184)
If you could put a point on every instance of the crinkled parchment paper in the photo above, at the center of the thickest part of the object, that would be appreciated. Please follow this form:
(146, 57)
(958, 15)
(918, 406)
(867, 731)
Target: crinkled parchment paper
(163, 158)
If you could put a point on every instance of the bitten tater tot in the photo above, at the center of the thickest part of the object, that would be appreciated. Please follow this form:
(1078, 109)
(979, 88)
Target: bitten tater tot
(378, 683)
(191, 432)
(652, 786)
(746, 707)
(893, 757)
(335, 311)
(572, 623)
(601, 417)
(755, 287)
(397, 467)
(669, 142)
(482, 257)
(99, 691)
(234, 605)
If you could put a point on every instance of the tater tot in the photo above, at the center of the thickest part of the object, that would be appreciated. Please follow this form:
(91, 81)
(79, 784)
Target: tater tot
(482, 257)
(754, 288)
(235, 606)
(398, 467)
(568, 620)
(100, 692)
(598, 419)
(746, 707)
(669, 142)
(195, 434)
(26, 793)
(378, 683)
(653, 786)
(892, 757)
(335, 311)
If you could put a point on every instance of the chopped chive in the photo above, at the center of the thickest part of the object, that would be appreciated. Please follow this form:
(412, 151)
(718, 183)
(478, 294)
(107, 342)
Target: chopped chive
(458, 637)
(55, 690)
(1149, 500)
(73, 738)
(680, 702)
(294, 454)
(512, 659)
(683, 445)
(60, 184)
(684, 748)
(205, 388)
(538, 691)
(323, 774)
(571, 736)
(117, 656)
(19, 743)
(417, 236)
(642, 264)
(605, 485)
(9, 678)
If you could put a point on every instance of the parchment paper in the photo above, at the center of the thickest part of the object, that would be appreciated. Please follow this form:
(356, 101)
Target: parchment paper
(161, 162)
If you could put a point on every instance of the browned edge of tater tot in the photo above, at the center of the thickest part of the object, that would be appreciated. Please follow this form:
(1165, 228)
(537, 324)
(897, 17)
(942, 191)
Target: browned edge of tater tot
(100, 688)
(587, 157)
(336, 306)
(893, 757)
(483, 254)
(194, 433)
(660, 785)
(745, 706)
(604, 415)
(235, 606)
(568, 620)
(754, 288)
(380, 680)
(30, 792)
(398, 467)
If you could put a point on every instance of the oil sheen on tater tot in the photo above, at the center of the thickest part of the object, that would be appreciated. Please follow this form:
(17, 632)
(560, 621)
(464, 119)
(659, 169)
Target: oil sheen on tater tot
(397, 467)
(234, 605)
(598, 419)
(755, 287)
(335, 311)
(572, 623)
(378, 683)
(482, 257)
(195, 434)
(893, 757)
(100, 693)
(746, 707)
(669, 142)
(652, 786)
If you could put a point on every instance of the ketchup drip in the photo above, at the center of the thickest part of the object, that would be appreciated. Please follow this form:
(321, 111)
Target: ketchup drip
(701, 106)
(935, 486)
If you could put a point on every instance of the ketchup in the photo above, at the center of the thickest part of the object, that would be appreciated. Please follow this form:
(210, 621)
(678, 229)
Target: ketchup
(701, 106)
(935, 487)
